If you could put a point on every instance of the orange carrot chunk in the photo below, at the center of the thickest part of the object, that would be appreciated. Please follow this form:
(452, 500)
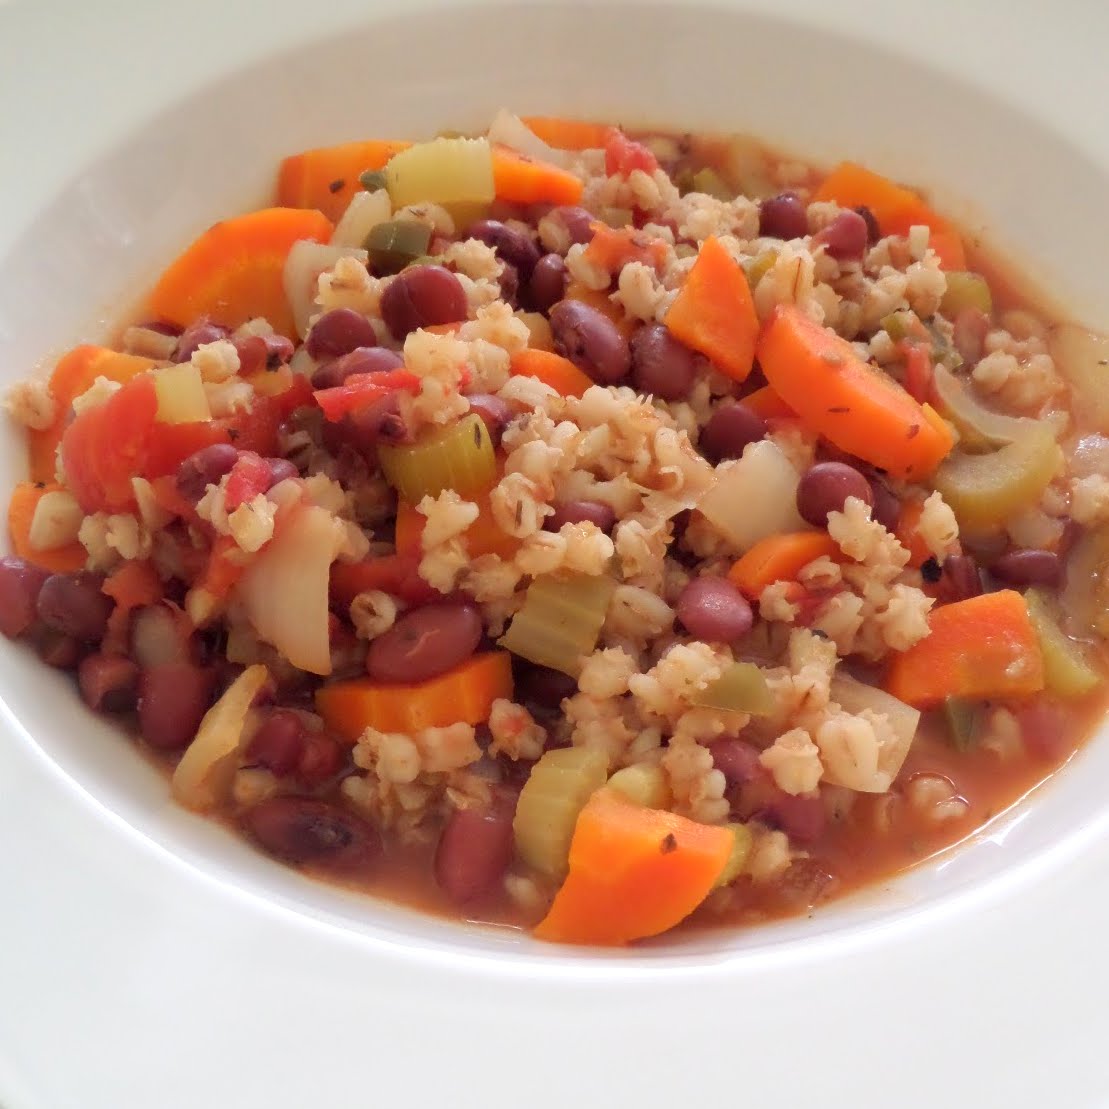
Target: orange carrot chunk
(766, 403)
(552, 369)
(634, 872)
(234, 271)
(522, 180)
(465, 694)
(982, 647)
(326, 178)
(569, 134)
(482, 537)
(21, 511)
(849, 402)
(714, 312)
(780, 558)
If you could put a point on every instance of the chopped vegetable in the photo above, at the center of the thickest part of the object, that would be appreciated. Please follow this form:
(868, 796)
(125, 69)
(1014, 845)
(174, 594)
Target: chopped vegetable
(643, 783)
(978, 425)
(966, 290)
(848, 401)
(982, 647)
(173, 443)
(511, 131)
(522, 180)
(741, 688)
(372, 181)
(780, 557)
(552, 369)
(202, 778)
(907, 530)
(181, 396)
(872, 776)
(624, 155)
(258, 430)
(361, 390)
(1082, 357)
(558, 787)
(710, 182)
(464, 694)
(612, 248)
(1085, 595)
(25, 499)
(714, 312)
(394, 244)
(560, 620)
(540, 336)
(964, 721)
(1069, 669)
(396, 574)
(456, 173)
(634, 872)
(569, 134)
(56, 521)
(328, 177)
(742, 840)
(766, 403)
(363, 214)
(482, 537)
(459, 457)
(300, 276)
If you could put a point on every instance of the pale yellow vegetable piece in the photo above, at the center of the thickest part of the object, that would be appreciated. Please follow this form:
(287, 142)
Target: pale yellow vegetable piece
(644, 784)
(733, 868)
(181, 396)
(1082, 357)
(1068, 669)
(454, 172)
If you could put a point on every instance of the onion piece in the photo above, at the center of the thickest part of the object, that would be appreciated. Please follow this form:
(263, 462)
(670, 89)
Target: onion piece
(161, 633)
(363, 214)
(510, 130)
(853, 696)
(306, 261)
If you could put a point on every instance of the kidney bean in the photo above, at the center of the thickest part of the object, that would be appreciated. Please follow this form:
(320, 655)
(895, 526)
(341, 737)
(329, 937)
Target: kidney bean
(783, 217)
(581, 512)
(825, 487)
(1028, 567)
(736, 759)
(281, 469)
(379, 420)
(661, 365)
(321, 759)
(968, 334)
(541, 687)
(802, 818)
(57, 649)
(161, 634)
(74, 604)
(512, 246)
(278, 744)
(420, 296)
(591, 341)
(729, 430)
(108, 683)
(845, 237)
(20, 584)
(547, 284)
(173, 699)
(961, 578)
(338, 332)
(474, 851)
(494, 412)
(576, 221)
(509, 281)
(361, 360)
(203, 468)
(196, 335)
(885, 507)
(425, 642)
(303, 830)
(260, 352)
(873, 231)
(714, 610)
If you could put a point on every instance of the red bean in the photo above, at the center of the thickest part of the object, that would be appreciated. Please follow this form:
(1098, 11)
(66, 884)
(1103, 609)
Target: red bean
(885, 507)
(736, 759)
(20, 584)
(543, 688)
(661, 365)
(361, 360)
(204, 468)
(338, 332)
(714, 610)
(729, 430)
(302, 830)
(278, 744)
(802, 818)
(173, 699)
(322, 759)
(196, 335)
(1028, 567)
(783, 217)
(512, 246)
(57, 649)
(591, 341)
(474, 851)
(425, 642)
(582, 512)
(961, 578)
(509, 281)
(494, 412)
(108, 683)
(825, 487)
(421, 296)
(260, 352)
(576, 220)
(74, 605)
(547, 285)
(845, 238)
(873, 231)
(281, 469)
(159, 634)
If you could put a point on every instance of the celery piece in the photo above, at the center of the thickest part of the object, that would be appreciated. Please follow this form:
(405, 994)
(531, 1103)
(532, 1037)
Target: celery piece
(683, 180)
(459, 457)
(977, 425)
(456, 173)
(708, 181)
(181, 396)
(963, 720)
(1085, 596)
(903, 325)
(644, 784)
(737, 860)
(560, 620)
(372, 180)
(1082, 357)
(556, 791)
(966, 290)
(1067, 667)
(757, 268)
(394, 244)
(741, 688)
(854, 697)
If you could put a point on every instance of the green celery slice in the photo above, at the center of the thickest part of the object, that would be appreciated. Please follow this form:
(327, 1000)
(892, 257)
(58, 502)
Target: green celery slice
(458, 457)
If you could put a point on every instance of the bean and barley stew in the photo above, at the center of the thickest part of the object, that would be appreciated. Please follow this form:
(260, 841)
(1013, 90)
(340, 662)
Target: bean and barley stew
(579, 530)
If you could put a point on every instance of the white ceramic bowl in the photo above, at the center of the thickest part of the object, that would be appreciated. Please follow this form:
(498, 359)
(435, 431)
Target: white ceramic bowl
(160, 956)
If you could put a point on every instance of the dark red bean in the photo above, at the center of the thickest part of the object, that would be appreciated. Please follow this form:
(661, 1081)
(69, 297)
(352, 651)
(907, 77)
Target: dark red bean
(281, 469)
(162, 327)
(591, 341)
(361, 360)
(802, 818)
(375, 422)
(196, 335)
(873, 231)
(261, 352)
(729, 430)
(173, 699)
(278, 744)
(494, 412)
(322, 759)
(74, 605)
(582, 512)
(512, 246)
(825, 487)
(160, 634)
(1028, 567)
(302, 830)
(845, 238)
(885, 507)
(509, 281)
(783, 217)
(474, 851)
(961, 578)
(736, 759)
(204, 468)
(20, 584)
(57, 649)
(968, 336)
(425, 642)
(420, 296)
(661, 365)
(576, 221)
(338, 332)
(541, 687)
(714, 610)
(547, 285)
(108, 683)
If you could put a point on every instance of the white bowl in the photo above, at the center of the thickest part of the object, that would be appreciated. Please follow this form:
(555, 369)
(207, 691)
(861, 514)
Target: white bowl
(139, 933)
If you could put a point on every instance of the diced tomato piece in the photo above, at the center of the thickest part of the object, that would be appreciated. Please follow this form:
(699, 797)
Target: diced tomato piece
(249, 476)
(397, 575)
(918, 370)
(622, 155)
(360, 390)
(257, 430)
(176, 442)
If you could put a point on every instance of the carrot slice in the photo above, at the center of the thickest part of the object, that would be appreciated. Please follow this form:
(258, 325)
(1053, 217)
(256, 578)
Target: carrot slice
(780, 558)
(714, 312)
(21, 511)
(634, 872)
(522, 180)
(464, 694)
(326, 178)
(234, 271)
(895, 208)
(612, 248)
(848, 401)
(766, 403)
(982, 647)
(552, 369)
(482, 537)
(568, 134)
